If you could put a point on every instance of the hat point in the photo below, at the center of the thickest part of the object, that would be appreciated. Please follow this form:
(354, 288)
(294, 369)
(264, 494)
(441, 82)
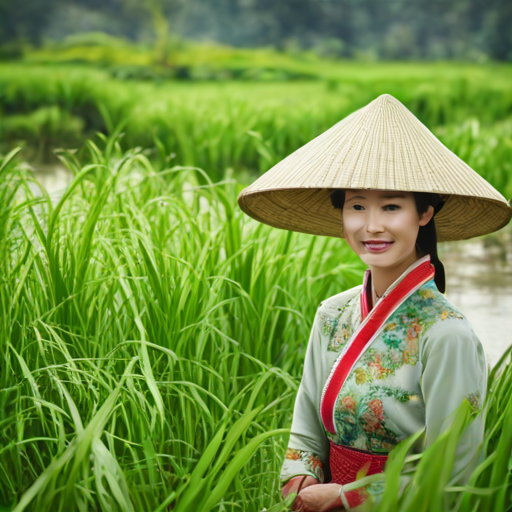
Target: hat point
(386, 96)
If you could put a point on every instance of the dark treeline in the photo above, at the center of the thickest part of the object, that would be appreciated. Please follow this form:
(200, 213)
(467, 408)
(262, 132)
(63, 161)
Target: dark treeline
(374, 29)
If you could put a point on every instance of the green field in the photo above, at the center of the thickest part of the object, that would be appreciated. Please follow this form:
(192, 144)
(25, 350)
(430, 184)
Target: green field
(152, 336)
(217, 125)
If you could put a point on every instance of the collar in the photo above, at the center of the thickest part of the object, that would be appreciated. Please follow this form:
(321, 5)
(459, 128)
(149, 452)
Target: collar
(368, 288)
(416, 264)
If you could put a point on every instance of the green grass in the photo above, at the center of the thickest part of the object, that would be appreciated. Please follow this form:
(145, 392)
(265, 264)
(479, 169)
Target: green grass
(248, 127)
(151, 339)
(152, 336)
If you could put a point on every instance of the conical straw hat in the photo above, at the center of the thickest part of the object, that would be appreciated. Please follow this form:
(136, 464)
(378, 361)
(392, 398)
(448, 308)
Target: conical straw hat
(380, 146)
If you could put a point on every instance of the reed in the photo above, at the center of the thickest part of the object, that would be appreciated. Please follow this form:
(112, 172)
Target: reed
(151, 338)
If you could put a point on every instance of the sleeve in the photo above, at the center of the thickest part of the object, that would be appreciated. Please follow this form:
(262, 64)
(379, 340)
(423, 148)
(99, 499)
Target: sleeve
(308, 446)
(454, 369)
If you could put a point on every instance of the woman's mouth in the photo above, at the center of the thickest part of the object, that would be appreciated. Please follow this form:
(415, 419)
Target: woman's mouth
(377, 246)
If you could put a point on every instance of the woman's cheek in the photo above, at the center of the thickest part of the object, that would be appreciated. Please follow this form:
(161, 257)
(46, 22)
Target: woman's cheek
(350, 228)
(404, 228)
(352, 223)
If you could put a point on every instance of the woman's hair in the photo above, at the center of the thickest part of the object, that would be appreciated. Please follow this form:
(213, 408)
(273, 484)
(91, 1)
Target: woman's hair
(426, 241)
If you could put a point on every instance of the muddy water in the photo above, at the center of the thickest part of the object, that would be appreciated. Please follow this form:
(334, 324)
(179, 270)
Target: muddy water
(478, 275)
(479, 283)
(53, 178)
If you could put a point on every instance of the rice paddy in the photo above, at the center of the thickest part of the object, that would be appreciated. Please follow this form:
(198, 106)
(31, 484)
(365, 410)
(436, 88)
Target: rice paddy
(152, 336)
(247, 127)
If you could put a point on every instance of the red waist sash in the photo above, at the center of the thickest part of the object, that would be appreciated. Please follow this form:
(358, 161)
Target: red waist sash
(346, 462)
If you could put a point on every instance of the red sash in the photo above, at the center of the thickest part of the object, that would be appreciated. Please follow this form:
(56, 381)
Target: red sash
(345, 462)
(371, 325)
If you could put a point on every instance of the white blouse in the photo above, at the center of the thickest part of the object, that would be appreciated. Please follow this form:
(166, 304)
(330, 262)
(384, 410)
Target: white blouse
(425, 360)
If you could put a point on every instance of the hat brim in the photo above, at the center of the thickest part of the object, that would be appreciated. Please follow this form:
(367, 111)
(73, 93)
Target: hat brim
(309, 210)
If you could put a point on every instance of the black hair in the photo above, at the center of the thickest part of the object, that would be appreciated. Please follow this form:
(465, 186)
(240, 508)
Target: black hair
(426, 242)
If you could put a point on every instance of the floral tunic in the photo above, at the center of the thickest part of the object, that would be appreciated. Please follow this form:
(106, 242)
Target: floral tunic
(418, 368)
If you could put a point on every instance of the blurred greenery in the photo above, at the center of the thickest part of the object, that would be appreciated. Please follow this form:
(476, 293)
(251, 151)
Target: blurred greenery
(248, 125)
(470, 30)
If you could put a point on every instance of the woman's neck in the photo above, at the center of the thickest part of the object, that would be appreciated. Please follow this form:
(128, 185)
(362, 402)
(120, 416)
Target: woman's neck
(384, 277)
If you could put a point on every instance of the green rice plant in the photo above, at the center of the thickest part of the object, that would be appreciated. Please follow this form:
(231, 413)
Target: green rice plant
(248, 127)
(152, 341)
(152, 338)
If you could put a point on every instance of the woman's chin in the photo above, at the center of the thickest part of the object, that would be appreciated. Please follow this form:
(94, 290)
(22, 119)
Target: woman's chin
(379, 260)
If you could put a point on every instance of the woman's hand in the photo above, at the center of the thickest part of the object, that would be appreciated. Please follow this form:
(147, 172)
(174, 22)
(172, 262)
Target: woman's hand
(298, 483)
(319, 498)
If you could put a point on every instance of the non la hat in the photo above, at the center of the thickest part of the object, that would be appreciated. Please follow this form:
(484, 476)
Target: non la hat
(381, 146)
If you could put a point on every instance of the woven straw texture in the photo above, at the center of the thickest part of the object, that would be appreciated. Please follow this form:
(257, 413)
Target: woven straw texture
(345, 463)
(380, 146)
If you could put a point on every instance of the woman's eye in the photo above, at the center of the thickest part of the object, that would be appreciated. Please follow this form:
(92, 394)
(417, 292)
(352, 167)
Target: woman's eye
(392, 207)
(358, 207)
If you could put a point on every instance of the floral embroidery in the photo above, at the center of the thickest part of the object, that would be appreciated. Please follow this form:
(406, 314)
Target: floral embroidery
(359, 412)
(361, 375)
(361, 423)
(372, 419)
(311, 461)
(328, 325)
(340, 337)
(474, 399)
(345, 416)
(427, 293)
(401, 335)
(339, 333)
(376, 365)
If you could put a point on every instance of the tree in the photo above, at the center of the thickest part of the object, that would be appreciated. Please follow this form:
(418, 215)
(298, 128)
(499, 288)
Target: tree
(499, 29)
(24, 21)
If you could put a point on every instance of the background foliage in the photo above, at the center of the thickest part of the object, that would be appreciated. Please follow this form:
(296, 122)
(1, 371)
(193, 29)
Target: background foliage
(365, 29)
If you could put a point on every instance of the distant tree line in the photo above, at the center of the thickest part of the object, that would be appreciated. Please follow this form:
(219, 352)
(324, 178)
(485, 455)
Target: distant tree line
(371, 29)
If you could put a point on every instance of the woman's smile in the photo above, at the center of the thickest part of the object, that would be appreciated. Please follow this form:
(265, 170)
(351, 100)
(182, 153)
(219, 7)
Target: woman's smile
(377, 245)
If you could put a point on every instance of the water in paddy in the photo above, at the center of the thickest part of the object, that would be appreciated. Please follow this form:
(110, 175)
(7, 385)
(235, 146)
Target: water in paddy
(478, 276)
(479, 283)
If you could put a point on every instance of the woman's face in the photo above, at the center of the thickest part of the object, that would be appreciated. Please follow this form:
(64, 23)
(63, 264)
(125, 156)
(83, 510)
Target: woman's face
(381, 226)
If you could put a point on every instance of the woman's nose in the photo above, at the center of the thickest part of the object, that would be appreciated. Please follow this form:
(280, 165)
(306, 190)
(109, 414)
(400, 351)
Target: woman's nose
(374, 224)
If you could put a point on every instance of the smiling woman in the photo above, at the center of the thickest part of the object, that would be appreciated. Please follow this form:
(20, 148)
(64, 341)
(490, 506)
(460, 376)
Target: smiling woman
(392, 356)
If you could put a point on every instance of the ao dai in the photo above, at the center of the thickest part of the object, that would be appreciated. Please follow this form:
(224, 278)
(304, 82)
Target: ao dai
(422, 362)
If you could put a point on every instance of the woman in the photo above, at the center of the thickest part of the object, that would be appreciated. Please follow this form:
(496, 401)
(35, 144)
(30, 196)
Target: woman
(392, 355)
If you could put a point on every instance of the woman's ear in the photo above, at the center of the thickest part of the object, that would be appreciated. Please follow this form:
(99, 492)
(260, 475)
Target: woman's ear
(425, 217)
